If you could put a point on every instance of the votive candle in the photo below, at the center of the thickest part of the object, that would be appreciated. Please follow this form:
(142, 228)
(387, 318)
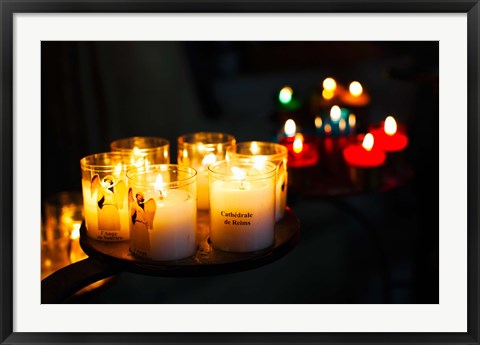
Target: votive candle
(163, 213)
(257, 152)
(242, 205)
(198, 151)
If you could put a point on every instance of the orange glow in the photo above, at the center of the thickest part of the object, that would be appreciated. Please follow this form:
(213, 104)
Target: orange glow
(368, 142)
(352, 120)
(390, 125)
(328, 129)
(342, 125)
(328, 94)
(318, 122)
(298, 143)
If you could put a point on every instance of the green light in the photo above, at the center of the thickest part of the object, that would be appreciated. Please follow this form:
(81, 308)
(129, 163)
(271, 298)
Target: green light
(285, 95)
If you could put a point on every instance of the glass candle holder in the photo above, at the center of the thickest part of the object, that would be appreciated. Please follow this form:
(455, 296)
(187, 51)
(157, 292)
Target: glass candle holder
(61, 232)
(163, 212)
(257, 151)
(242, 205)
(154, 149)
(198, 151)
(104, 185)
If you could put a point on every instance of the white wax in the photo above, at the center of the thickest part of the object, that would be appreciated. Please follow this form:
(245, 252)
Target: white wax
(242, 220)
(109, 223)
(172, 234)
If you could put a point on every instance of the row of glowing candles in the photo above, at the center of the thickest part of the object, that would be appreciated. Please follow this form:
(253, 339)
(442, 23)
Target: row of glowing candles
(134, 194)
(340, 120)
(356, 96)
(369, 150)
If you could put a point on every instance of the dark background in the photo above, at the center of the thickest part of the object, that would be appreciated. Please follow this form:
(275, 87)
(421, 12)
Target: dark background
(377, 247)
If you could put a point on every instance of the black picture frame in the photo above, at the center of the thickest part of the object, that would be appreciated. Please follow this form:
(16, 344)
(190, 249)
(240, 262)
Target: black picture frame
(9, 8)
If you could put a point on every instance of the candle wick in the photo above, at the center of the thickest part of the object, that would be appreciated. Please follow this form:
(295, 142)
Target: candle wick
(161, 194)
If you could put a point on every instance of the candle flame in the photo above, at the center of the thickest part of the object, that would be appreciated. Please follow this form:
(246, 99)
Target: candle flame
(259, 162)
(342, 125)
(335, 113)
(329, 84)
(318, 122)
(118, 169)
(159, 183)
(328, 129)
(290, 128)
(390, 125)
(75, 231)
(355, 88)
(285, 95)
(238, 173)
(209, 159)
(328, 94)
(298, 143)
(137, 151)
(254, 149)
(352, 120)
(368, 142)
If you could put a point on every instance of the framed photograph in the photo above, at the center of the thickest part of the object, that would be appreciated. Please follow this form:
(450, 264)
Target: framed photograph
(372, 106)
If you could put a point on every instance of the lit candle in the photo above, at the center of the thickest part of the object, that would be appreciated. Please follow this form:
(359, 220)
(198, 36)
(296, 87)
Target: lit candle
(352, 122)
(163, 213)
(389, 136)
(335, 114)
(63, 216)
(242, 205)
(153, 150)
(302, 150)
(287, 100)
(329, 87)
(76, 252)
(329, 84)
(290, 128)
(285, 95)
(365, 155)
(355, 89)
(364, 162)
(355, 96)
(198, 151)
(259, 152)
(104, 188)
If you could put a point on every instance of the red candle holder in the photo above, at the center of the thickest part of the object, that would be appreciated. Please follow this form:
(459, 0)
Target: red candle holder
(364, 160)
(306, 156)
(302, 164)
(350, 100)
(393, 144)
(389, 143)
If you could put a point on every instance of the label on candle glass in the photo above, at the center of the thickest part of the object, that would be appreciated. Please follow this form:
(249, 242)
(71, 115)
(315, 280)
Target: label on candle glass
(162, 227)
(106, 210)
(231, 218)
(242, 219)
